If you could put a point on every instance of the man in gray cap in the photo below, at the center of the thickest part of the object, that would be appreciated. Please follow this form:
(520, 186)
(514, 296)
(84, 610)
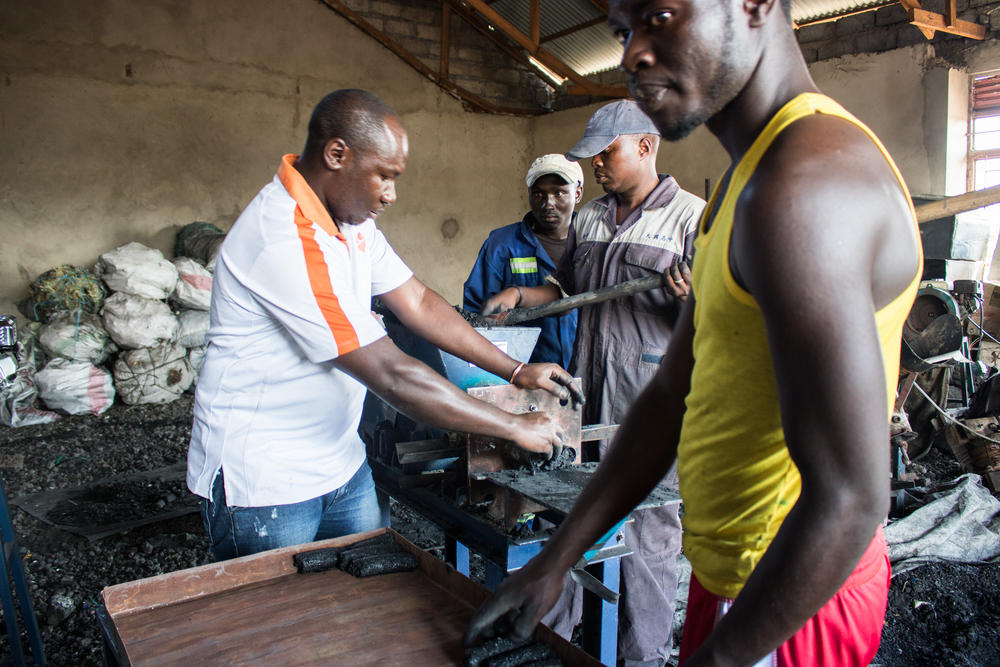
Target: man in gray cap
(644, 225)
(525, 253)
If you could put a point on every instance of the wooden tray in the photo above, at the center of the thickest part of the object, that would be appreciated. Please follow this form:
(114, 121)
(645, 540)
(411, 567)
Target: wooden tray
(260, 610)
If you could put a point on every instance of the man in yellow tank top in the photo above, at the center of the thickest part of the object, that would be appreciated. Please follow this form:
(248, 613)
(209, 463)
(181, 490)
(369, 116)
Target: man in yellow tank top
(806, 266)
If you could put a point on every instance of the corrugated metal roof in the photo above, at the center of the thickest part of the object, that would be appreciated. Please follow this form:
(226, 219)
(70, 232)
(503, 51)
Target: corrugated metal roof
(587, 51)
(804, 11)
(593, 49)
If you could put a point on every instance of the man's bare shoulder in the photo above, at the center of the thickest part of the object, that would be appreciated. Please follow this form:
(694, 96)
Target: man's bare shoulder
(826, 166)
(825, 191)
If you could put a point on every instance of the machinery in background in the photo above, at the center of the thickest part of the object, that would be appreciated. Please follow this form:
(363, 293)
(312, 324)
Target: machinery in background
(940, 365)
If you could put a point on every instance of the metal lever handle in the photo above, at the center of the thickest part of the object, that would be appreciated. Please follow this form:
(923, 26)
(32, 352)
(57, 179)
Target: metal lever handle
(592, 583)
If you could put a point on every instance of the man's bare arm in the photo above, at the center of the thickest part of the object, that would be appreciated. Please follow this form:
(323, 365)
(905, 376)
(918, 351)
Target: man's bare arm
(520, 297)
(417, 391)
(809, 234)
(644, 448)
(429, 316)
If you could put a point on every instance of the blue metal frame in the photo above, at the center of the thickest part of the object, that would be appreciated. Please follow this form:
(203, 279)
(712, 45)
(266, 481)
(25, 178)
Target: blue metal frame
(11, 569)
(465, 534)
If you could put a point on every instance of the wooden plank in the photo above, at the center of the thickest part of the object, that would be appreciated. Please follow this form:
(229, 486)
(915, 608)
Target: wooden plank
(928, 22)
(445, 38)
(958, 204)
(575, 28)
(536, 22)
(601, 5)
(404, 619)
(204, 580)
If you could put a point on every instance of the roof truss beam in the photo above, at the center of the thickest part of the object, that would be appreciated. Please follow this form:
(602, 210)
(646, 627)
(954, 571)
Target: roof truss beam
(931, 22)
(582, 85)
(470, 99)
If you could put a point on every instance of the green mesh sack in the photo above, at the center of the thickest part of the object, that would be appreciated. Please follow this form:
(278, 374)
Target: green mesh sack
(192, 238)
(64, 288)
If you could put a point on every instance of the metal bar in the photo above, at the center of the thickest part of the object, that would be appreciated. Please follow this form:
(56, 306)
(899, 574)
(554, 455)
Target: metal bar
(904, 390)
(416, 451)
(456, 554)
(13, 571)
(598, 432)
(560, 306)
(494, 575)
(968, 388)
(10, 614)
(600, 618)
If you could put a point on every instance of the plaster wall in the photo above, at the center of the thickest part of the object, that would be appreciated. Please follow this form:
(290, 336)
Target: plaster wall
(124, 121)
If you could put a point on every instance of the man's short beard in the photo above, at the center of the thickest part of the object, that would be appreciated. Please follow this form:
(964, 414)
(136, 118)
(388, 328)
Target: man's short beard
(681, 127)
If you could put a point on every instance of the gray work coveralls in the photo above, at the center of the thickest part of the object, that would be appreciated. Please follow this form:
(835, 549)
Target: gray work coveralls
(619, 346)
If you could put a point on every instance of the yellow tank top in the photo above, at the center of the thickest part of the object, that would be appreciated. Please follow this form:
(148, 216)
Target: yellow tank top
(736, 477)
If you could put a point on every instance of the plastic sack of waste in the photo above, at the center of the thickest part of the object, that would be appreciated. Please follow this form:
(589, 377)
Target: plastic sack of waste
(18, 398)
(134, 322)
(152, 375)
(193, 327)
(64, 288)
(194, 285)
(201, 241)
(135, 269)
(79, 337)
(75, 387)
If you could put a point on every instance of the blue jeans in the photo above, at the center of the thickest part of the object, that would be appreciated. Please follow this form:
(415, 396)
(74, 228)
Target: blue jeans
(241, 531)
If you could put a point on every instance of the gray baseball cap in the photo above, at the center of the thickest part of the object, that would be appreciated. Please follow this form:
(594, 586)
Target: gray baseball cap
(607, 124)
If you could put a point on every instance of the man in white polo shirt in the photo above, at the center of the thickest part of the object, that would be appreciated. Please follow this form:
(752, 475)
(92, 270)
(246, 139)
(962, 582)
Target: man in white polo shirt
(274, 451)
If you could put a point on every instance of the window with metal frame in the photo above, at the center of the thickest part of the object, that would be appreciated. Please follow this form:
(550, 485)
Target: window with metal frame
(984, 132)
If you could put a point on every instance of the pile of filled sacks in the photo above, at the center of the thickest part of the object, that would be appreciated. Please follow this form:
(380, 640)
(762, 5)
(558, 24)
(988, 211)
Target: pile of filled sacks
(132, 328)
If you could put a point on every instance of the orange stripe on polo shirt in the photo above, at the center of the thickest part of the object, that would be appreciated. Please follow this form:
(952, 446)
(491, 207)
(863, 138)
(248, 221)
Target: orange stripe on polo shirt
(309, 211)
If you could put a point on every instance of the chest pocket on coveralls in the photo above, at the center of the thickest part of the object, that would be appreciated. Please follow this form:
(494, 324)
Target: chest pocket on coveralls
(588, 260)
(641, 261)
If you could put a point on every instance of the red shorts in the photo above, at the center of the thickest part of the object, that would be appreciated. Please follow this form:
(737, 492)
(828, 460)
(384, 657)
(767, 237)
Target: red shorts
(845, 632)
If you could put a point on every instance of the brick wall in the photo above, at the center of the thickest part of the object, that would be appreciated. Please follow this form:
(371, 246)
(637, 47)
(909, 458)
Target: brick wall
(889, 28)
(475, 62)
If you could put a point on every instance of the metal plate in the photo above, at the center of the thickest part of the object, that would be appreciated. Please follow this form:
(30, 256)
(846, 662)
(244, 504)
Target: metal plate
(488, 454)
(558, 490)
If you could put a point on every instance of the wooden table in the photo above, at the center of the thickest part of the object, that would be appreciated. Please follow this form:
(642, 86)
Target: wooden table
(260, 610)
